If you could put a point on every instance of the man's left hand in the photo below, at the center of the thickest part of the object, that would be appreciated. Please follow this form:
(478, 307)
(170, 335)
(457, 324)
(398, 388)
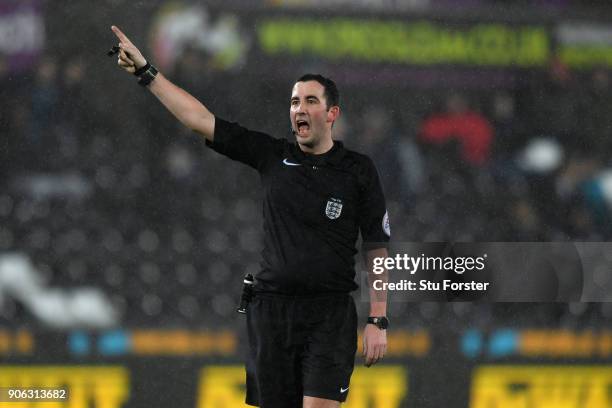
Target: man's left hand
(374, 344)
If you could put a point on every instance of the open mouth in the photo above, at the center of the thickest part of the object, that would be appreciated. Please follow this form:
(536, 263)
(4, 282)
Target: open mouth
(302, 125)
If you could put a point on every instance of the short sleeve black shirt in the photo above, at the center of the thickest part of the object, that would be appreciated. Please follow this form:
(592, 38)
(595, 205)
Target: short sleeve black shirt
(314, 208)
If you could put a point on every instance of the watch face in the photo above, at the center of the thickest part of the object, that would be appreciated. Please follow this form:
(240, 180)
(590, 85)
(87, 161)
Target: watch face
(380, 322)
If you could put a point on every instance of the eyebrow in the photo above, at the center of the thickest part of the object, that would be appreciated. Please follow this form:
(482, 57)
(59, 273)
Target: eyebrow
(307, 97)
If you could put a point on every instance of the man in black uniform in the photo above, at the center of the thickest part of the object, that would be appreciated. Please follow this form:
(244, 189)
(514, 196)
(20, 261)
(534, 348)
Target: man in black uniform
(302, 322)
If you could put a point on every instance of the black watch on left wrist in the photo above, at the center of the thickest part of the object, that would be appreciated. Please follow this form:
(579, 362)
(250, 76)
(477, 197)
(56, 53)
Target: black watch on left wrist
(379, 321)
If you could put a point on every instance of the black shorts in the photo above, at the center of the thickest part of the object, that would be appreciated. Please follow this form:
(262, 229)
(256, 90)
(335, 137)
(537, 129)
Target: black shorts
(300, 347)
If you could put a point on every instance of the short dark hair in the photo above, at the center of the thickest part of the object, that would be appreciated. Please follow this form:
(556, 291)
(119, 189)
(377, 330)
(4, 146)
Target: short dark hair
(332, 96)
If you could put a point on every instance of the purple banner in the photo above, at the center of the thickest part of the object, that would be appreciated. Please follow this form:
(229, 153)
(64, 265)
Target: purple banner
(22, 33)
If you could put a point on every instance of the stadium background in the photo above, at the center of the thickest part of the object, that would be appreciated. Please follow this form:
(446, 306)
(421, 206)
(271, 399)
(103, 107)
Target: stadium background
(123, 240)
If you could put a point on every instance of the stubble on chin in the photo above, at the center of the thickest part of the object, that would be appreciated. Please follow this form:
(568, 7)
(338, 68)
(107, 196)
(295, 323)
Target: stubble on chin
(308, 144)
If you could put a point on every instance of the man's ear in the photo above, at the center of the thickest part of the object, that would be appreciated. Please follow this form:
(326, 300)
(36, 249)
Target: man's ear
(333, 113)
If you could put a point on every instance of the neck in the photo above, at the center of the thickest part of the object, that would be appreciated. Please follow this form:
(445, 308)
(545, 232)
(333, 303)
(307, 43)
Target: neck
(323, 146)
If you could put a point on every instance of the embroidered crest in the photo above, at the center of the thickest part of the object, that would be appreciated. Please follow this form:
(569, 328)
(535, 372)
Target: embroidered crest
(333, 208)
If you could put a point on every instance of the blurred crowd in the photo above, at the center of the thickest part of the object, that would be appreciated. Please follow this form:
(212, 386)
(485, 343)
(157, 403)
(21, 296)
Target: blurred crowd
(102, 187)
(524, 164)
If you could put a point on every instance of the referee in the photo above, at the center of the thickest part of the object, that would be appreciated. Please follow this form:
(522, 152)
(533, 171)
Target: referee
(302, 322)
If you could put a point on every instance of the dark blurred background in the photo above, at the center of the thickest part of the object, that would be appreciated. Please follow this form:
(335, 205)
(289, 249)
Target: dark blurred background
(487, 120)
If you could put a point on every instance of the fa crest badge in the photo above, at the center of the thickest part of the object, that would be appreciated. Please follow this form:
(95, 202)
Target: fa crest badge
(333, 208)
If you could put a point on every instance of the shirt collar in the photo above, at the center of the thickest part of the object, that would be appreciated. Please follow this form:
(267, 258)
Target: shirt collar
(332, 156)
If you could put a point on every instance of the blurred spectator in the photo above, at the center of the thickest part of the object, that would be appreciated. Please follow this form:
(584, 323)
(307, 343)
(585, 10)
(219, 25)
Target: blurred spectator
(411, 168)
(45, 98)
(379, 142)
(74, 102)
(509, 131)
(553, 103)
(7, 144)
(73, 113)
(572, 188)
(458, 123)
(596, 114)
(541, 161)
(525, 224)
(596, 193)
(193, 69)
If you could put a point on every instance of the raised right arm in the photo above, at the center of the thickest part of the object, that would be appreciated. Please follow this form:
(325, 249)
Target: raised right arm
(187, 109)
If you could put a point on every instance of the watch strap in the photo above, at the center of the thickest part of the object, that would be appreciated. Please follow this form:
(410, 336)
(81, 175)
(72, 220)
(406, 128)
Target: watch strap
(379, 321)
(147, 76)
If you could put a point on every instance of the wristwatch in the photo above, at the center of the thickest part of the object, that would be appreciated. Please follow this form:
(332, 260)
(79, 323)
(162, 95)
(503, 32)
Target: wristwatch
(379, 321)
(146, 74)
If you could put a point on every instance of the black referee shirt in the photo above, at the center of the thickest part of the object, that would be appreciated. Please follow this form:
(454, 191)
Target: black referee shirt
(314, 208)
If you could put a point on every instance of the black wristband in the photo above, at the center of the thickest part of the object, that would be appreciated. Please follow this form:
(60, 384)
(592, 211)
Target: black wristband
(379, 321)
(142, 69)
(148, 76)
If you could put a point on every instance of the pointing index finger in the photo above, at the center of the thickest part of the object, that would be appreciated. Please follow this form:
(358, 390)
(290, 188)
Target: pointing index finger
(122, 37)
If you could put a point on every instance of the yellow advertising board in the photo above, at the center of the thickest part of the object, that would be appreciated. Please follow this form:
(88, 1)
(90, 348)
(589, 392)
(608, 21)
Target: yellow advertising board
(375, 387)
(541, 387)
(414, 43)
(87, 386)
